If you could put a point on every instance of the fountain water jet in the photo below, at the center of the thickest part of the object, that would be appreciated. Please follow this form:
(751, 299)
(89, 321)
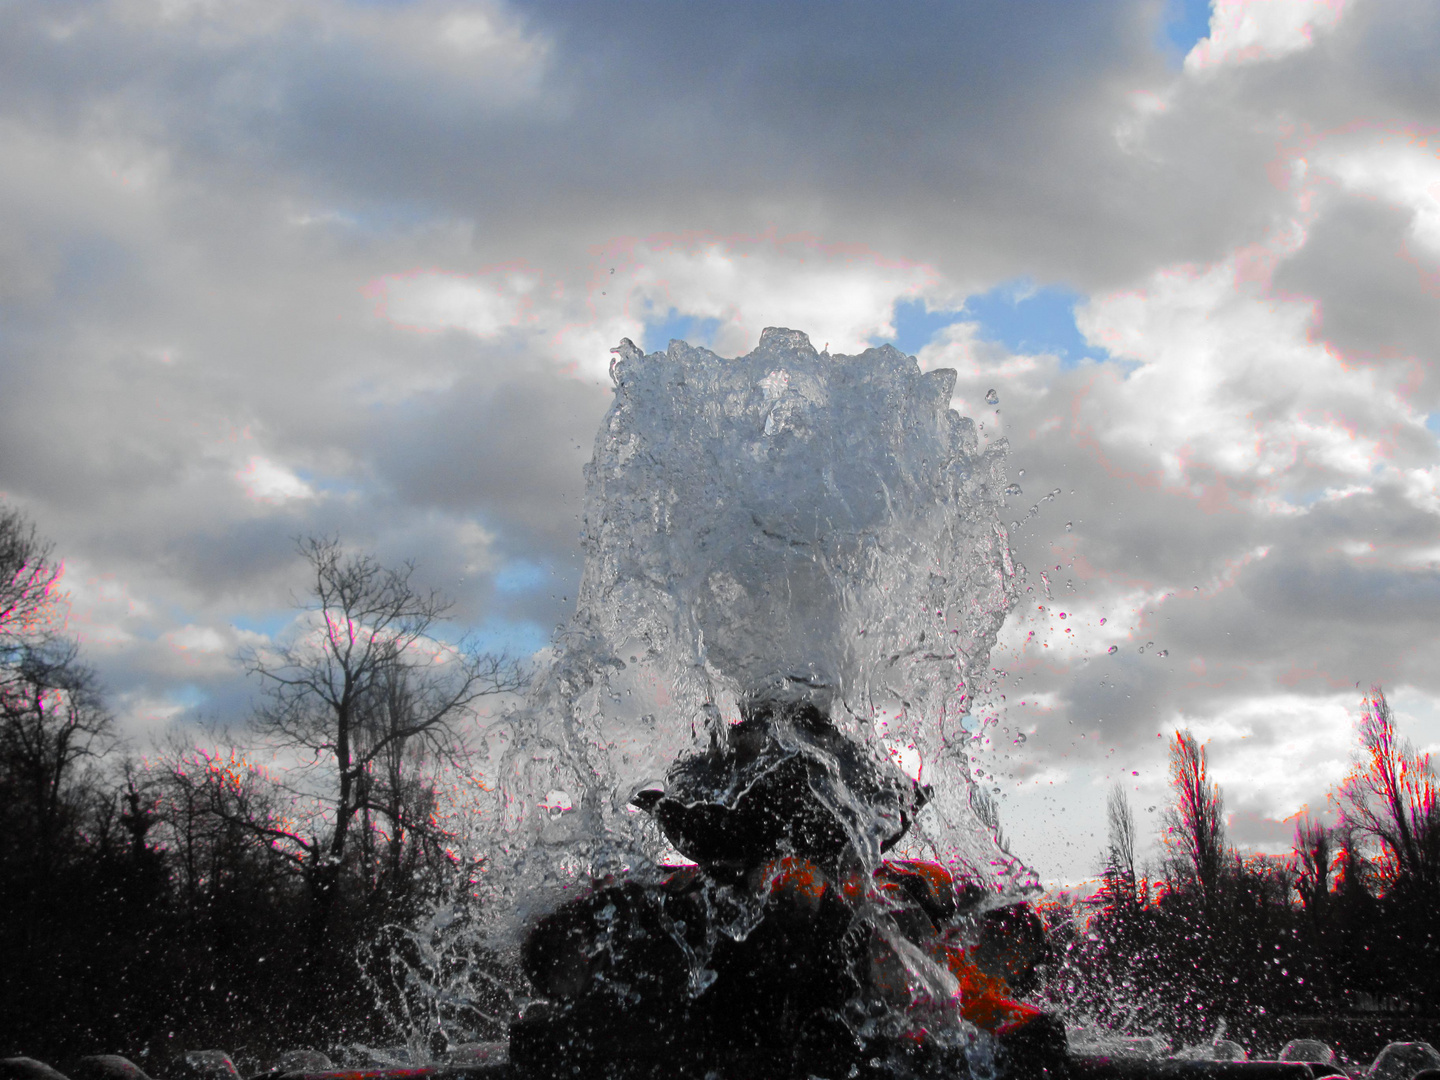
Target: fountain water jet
(795, 571)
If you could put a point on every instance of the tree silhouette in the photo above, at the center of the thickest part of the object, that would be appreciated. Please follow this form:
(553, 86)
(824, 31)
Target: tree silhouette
(28, 579)
(1121, 884)
(367, 683)
(1195, 822)
(52, 718)
(1389, 797)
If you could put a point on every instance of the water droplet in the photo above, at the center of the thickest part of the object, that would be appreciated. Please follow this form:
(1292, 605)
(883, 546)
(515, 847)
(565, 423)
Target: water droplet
(1149, 809)
(1020, 473)
(1014, 489)
(1062, 614)
(1020, 737)
(1113, 649)
(1069, 525)
(1163, 652)
(992, 398)
(1102, 622)
(1053, 493)
(1197, 588)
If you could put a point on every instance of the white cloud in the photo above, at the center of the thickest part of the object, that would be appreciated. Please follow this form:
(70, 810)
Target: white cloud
(842, 298)
(1231, 382)
(1422, 488)
(1280, 752)
(484, 304)
(195, 640)
(145, 714)
(1246, 31)
(270, 482)
(1400, 167)
(478, 545)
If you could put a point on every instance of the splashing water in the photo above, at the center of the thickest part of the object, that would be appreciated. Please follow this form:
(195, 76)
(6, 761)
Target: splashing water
(780, 525)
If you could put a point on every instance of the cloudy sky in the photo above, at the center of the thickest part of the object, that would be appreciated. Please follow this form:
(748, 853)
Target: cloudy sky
(354, 266)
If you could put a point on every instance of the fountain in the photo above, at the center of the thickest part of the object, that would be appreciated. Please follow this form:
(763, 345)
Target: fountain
(739, 834)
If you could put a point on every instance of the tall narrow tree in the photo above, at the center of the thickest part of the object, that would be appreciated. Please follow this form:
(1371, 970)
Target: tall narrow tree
(1195, 822)
(1390, 798)
(1121, 881)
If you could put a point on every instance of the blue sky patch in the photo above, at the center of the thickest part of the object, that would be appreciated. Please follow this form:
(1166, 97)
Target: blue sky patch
(1014, 313)
(189, 696)
(916, 325)
(662, 326)
(520, 576)
(518, 637)
(1029, 320)
(269, 624)
(1184, 23)
(1433, 422)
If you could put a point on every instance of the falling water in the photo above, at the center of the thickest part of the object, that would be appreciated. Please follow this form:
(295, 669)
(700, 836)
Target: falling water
(782, 525)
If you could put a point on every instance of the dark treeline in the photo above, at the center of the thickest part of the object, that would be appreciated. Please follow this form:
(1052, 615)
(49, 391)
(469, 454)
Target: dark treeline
(196, 899)
(1343, 927)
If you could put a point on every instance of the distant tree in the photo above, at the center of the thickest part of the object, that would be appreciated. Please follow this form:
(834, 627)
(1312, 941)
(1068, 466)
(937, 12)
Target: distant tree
(397, 791)
(1120, 878)
(1313, 863)
(139, 810)
(220, 811)
(1195, 822)
(1389, 798)
(52, 716)
(52, 719)
(360, 693)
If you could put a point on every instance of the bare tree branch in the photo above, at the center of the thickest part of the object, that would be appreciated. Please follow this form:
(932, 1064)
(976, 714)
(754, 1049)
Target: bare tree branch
(369, 693)
(28, 579)
(1121, 881)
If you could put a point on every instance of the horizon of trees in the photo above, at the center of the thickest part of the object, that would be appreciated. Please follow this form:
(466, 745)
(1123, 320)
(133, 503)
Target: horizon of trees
(195, 897)
(1207, 939)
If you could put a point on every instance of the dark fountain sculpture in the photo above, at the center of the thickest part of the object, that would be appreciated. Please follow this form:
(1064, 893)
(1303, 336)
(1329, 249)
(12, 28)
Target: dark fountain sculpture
(820, 981)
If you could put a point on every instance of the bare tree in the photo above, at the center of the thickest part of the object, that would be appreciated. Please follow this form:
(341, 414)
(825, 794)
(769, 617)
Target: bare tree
(369, 684)
(218, 809)
(52, 719)
(1314, 860)
(1389, 798)
(52, 716)
(397, 792)
(1195, 823)
(1121, 881)
(28, 578)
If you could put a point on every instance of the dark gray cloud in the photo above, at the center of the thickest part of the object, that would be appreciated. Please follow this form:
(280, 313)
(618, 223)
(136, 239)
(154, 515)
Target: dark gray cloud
(1373, 294)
